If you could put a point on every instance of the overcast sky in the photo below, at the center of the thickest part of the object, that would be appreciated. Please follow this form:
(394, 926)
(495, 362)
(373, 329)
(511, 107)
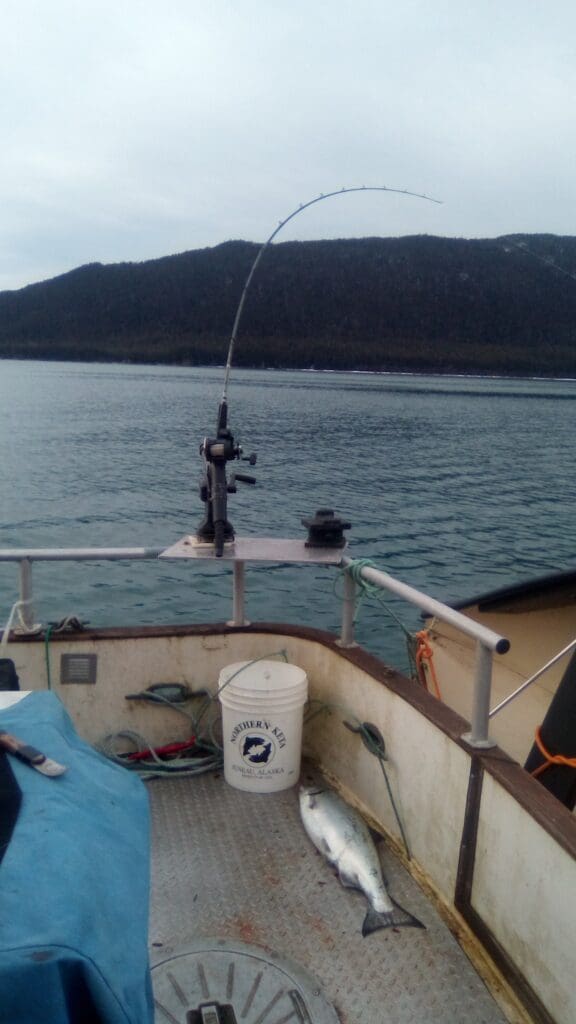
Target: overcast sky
(132, 129)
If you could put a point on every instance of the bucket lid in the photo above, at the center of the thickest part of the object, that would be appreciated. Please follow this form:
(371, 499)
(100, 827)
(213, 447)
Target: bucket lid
(262, 676)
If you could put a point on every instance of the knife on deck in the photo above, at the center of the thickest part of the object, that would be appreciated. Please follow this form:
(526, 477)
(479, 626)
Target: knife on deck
(30, 755)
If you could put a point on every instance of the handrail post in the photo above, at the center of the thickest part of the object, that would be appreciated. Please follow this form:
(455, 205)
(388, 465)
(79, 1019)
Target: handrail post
(478, 736)
(238, 618)
(26, 610)
(348, 610)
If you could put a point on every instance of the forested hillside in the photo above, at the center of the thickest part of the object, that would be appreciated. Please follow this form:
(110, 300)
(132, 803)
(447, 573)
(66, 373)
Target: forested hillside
(504, 305)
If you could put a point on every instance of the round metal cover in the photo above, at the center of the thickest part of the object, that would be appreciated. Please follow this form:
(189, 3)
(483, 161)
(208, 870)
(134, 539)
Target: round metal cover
(217, 982)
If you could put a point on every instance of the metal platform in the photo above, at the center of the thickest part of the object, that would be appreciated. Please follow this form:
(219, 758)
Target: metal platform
(236, 880)
(256, 549)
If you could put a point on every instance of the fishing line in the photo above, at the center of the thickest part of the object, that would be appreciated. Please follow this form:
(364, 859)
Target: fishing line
(264, 246)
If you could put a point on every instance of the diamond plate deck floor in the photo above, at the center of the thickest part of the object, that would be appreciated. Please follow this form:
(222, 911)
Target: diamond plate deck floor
(239, 867)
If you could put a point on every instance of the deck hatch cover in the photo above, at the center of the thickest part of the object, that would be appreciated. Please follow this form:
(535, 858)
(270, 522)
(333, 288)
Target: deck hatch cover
(224, 982)
(78, 668)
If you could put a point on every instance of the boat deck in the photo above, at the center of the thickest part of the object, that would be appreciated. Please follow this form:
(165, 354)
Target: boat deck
(249, 910)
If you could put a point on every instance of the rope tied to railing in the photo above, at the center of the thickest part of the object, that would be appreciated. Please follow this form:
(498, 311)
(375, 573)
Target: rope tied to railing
(366, 589)
(424, 658)
(550, 759)
(15, 610)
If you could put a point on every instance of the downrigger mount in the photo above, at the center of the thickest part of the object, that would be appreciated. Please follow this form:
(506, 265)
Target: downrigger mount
(215, 487)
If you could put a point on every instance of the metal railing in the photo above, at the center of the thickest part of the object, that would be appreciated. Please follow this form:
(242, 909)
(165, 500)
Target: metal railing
(487, 641)
(26, 556)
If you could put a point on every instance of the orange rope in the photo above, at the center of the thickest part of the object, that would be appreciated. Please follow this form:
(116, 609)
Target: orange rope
(569, 762)
(424, 662)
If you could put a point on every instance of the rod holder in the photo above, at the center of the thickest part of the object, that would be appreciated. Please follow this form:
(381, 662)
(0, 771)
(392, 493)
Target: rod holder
(478, 736)
(27, 611)
(238, 594)
(348, 610)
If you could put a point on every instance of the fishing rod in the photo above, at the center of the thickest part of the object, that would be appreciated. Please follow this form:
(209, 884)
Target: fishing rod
(217, 452)
(282, 224)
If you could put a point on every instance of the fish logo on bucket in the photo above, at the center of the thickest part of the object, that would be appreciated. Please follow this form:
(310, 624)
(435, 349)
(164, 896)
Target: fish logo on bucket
(257, 749)
(257, 742)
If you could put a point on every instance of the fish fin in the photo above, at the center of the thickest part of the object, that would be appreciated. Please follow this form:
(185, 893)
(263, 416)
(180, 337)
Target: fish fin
(376, 836)
(312, 801)
(348, 881)
(395, 918)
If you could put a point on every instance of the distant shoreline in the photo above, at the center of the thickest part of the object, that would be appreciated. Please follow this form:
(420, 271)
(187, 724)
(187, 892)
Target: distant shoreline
(417, 304)
(289, 369)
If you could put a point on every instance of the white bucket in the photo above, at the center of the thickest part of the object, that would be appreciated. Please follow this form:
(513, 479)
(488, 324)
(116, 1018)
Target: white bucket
(262, 711)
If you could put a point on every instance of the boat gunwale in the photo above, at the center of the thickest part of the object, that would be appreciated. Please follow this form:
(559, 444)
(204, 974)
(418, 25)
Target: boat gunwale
(546, 810)
(536, 587)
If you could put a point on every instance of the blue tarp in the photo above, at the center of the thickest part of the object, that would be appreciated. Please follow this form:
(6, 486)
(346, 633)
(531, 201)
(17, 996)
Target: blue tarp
(74, 883)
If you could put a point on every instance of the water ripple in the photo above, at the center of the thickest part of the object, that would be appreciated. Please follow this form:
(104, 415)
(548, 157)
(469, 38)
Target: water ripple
(455, 484)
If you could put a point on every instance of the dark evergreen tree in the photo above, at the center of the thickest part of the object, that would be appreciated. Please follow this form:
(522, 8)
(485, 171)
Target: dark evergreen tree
(505, 305)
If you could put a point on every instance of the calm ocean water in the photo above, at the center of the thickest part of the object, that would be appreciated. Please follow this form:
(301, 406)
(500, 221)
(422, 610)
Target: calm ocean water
(455, 485)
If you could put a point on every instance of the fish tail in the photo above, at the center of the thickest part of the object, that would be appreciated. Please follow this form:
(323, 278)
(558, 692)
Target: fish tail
(395, 918)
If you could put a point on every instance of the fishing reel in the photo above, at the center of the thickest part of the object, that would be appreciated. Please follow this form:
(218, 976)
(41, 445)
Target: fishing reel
(215, 487)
